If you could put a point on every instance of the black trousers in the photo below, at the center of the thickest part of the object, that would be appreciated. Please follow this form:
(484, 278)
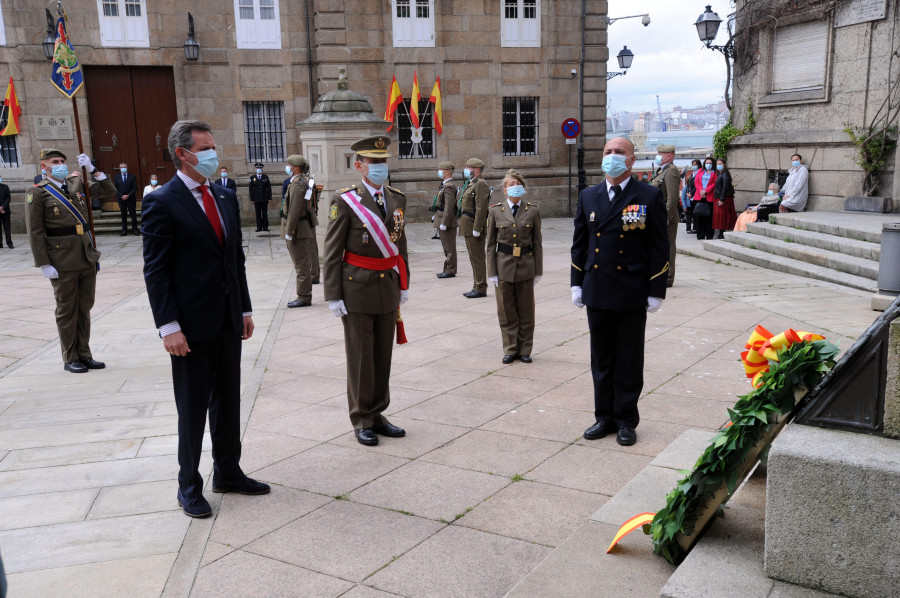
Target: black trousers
(126, 207)
(703, 225)
(208, 379)
(617, 363)
(262, 215)
(4, 227)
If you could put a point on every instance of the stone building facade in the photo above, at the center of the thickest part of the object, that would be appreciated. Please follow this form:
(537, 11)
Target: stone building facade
(262, 64)
(809, 73)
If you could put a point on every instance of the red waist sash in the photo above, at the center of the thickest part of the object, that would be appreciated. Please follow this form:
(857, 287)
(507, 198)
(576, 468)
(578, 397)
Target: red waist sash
(379, 263)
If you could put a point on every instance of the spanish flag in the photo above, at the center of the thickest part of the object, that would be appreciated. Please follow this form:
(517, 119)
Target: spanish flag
(437, 115)
(395, 98)
(11, 111)
(414, 102)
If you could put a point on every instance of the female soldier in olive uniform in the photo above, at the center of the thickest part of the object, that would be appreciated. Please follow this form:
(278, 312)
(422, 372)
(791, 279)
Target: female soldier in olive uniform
(515, 263)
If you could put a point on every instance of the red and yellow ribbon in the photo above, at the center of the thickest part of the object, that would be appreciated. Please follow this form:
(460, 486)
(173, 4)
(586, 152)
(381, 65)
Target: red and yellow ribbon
(763, 346)
(629, 526)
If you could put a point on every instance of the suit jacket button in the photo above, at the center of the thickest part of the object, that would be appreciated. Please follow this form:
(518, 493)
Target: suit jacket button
(597, 250)
(618, 267)
(598, 234)
(595, 266)
(381, 275)
(621, 236)
(621, 252)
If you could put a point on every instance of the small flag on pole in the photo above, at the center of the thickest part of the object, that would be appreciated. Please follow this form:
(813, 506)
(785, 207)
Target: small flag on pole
(66, 75)
(395, 98)
(414, 102)
(435, 99)
(11, 111)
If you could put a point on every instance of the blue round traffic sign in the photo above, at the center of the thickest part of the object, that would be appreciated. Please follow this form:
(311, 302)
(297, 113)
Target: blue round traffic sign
(570, 128)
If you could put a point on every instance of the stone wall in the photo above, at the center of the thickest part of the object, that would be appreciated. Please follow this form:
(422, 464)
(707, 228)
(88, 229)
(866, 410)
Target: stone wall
(856, 86)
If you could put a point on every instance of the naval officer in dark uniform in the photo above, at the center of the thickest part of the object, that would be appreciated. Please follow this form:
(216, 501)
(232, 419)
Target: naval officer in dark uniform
(364, 289)
(57, 218)
(620, 257)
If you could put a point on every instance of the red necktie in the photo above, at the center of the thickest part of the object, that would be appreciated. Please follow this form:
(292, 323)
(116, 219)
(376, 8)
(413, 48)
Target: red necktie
(209, 206)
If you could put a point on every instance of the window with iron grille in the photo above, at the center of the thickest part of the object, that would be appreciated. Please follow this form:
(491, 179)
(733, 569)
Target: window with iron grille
(9, 150)
(416, 143)
(264, 131)
(520, 126)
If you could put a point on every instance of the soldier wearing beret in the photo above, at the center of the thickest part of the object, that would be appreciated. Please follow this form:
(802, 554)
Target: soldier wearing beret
(515, 263)
(446, 219)
(667, 178)
(57, 218)
(366, 281)
(472, 212)
(260, 195)
(300, 228)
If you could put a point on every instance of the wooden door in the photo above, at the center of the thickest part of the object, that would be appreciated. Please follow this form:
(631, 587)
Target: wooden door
(131, 110)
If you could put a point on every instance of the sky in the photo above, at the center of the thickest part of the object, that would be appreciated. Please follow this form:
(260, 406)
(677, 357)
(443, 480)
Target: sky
(669, 58)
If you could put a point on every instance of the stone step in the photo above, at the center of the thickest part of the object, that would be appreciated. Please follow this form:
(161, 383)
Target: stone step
(845, 245)
(853, 225)
(825, 258)
(788, 265)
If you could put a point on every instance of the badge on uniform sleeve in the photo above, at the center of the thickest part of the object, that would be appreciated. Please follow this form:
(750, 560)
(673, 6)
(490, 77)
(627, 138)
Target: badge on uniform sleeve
(29, 198)
(332, 214)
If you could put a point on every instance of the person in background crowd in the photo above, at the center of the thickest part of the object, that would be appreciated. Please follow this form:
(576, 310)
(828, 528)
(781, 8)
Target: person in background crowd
(472, 208)
(126, 191)
(153, 186)
(300, 229)
(769, 204)
(796, 187)
(724, 215)
(515, 263)
(753, 211)
(5, 199)
(445, 217)
(41, 176)
(224, 181)
(666, 178)
(260, 196)
(704, 185)
(688, 192)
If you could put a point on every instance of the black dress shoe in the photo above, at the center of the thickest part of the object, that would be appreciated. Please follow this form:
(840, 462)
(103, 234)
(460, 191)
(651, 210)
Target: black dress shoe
(598, 430)
(525, 358)
(508, 359)
(195, 507)
(92, 364)
(11, 246)
(473, 294)
(245, 485)
(445, 275)
(76, 367)
(435, 237)
(123, 233)
(626, 436)
(389, 430)
(316, 282)
(366, 436)
(136, 233)
(298, 303)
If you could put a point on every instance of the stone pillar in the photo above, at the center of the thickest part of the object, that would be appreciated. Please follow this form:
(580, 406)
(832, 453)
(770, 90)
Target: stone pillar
(892, 383)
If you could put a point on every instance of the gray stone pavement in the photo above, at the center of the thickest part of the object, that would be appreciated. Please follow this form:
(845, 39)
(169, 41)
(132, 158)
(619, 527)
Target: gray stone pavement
(492, 476)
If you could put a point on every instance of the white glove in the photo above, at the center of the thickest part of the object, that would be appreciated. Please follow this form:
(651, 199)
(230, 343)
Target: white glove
(288, 238)
(404, 296)
(432, 218)
(576, 297)
(49, 271)
(337, 308)
(443, 227)
(495, 280)
(85, 162)
(653, 304)
(475, 233)
(537, 279)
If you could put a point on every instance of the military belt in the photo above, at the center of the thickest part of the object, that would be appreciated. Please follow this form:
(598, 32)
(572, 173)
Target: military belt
(469, 214)
(515, 251)
(62, 231)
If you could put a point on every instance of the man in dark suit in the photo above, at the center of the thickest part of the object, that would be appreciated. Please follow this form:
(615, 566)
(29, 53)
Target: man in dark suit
(41, 176)
(620, 252)
(224, 181)
(4, 214)
(126, 192)
(197, 285)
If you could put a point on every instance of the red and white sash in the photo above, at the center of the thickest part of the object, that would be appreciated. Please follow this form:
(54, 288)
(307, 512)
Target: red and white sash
(373, 223)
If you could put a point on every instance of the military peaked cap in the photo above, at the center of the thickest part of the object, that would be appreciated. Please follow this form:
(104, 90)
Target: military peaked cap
(373, 147)
(49, 152)
(474, 163)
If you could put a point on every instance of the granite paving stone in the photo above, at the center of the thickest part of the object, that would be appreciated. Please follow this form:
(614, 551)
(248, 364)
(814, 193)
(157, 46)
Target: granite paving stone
(537, 421)
(603, 471)
(135, 499)
(19, 512)
(421, 437)
(242, 519)
(458, 410)
(496, 453)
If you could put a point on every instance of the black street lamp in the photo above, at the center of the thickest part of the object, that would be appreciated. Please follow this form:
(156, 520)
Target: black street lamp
(49, 42)
(625, 58)
(707, 28)
(191, 47)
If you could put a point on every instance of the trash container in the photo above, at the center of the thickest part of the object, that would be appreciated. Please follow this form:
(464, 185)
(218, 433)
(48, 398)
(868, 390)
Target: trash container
(889, 263)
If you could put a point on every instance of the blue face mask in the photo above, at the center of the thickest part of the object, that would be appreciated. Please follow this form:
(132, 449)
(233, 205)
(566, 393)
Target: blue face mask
(795, 163)
(207, 162)
(708, 166)
(259, 171)
(224, 175)
(289, 170)
(658, 159)
(59, 171)
(467, 173)
(614, 165)
(378, 173)
(516, 191)
(770, 192)
(154, 183)
(44, 171)
(720, 167)
(124, 171)
(441, 174)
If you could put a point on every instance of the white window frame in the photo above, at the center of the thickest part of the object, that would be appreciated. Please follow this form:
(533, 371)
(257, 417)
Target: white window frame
(519, 31)
(257, 33)
(2, 26)
(122, 31)
(800, 57)
(413, 31)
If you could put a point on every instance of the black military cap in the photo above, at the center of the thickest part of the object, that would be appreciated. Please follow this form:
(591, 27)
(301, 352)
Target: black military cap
(258, 165)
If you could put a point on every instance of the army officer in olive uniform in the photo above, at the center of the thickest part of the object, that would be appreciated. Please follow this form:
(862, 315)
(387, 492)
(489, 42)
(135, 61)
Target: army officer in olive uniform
(472, 211)
(57, 218)
(515, 263)
(365, 283)
(446, 219)
(300, 229)
(668, 179)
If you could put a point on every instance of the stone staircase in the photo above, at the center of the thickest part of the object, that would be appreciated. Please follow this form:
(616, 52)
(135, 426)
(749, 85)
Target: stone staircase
(110, 223)
(838, 247)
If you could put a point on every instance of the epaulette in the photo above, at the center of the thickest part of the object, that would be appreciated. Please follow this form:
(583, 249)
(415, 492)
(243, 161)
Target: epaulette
(345, 189)
(42, 183)
(395, 190)
(494, 205)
